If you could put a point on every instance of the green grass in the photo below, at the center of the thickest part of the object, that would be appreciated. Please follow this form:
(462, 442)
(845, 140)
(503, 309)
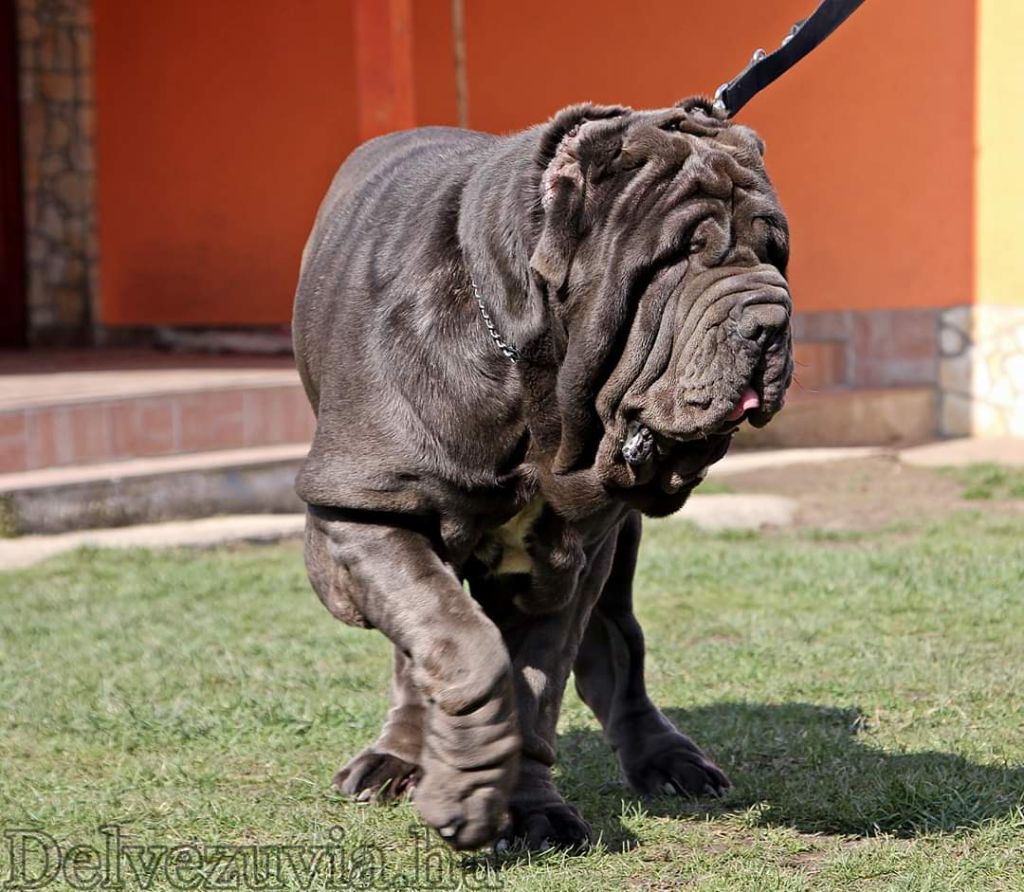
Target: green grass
(986, 481)
(864, 695)
(713, 487)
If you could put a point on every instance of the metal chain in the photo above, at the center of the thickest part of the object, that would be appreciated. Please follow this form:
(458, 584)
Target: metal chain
(506, 347)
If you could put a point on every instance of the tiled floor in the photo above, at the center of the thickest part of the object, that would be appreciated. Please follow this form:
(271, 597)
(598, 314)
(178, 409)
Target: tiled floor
(35, 377)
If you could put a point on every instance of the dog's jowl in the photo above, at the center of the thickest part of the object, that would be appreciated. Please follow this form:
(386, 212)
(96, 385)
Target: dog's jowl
(515, 346)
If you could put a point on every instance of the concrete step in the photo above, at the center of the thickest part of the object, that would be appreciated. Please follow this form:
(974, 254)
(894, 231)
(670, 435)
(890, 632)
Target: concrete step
(230, 481)
(65, 410)
(207, 532)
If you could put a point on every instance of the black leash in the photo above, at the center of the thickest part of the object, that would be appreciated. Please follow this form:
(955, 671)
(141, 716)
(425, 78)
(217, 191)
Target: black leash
(766, 67)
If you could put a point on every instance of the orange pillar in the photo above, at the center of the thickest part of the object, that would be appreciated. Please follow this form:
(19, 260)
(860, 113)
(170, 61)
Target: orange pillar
(384, 66)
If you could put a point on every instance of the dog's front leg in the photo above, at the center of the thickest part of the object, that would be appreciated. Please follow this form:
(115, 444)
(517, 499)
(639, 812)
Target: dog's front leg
(543, 648)
(458, 660)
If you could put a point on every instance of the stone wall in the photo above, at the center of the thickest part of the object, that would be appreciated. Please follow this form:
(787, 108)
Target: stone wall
(981, 379)
(55, 61)
(971, 355)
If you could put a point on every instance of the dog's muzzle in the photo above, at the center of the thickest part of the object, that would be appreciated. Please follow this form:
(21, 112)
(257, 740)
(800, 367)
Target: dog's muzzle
(730, 357)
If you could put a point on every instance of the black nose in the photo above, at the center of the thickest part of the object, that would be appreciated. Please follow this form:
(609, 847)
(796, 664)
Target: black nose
(762, 321)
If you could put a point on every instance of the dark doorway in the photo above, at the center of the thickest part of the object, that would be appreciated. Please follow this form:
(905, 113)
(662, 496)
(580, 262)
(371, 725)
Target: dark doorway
(13, 309)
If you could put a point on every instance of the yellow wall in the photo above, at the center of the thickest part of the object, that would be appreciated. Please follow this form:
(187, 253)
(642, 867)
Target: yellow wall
(999, 158)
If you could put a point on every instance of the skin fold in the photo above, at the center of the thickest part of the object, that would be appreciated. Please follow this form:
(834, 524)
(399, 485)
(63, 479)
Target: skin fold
(484, 514)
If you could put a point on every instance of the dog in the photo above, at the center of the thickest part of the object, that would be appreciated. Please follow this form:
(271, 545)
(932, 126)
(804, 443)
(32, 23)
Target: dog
(515, 346)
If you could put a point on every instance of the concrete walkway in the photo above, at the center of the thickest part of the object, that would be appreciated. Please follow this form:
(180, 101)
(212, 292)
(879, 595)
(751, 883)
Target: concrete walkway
(712, 512)
(205, 533)
(943, 453)
(966, 451)
(757, 460)
(738, 511)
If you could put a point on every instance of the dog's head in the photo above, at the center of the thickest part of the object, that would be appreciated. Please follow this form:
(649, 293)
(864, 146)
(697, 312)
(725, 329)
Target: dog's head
(662, 251)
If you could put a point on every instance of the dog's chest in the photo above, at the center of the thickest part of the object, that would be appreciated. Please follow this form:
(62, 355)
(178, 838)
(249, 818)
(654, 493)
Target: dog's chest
(505, 550)
(536, 559)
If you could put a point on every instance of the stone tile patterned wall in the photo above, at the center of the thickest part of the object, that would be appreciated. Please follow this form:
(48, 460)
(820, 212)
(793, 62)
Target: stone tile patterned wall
(981, 373)
(972, 355)
(880, 348)
(56, 61)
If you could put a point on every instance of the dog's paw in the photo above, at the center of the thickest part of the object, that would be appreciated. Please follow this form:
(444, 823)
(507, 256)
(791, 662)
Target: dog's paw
(466, 816)
(553, 825)
(376, 775)
(673, 764)
(540, 818)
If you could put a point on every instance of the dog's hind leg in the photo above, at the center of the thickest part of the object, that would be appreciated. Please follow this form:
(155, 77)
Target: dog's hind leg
(654, 755)
(395, 582)
(391, 766)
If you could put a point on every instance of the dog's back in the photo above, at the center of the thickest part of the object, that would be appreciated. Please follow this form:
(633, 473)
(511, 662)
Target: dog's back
(382, 200)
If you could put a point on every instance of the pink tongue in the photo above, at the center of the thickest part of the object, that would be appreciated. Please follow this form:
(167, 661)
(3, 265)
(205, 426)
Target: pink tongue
(748, 400)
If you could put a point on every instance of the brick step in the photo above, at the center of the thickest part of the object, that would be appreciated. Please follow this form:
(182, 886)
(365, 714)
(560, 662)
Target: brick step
(94, 416)
(149, 490)
(888, 416)
(261, 479)
(110, 407)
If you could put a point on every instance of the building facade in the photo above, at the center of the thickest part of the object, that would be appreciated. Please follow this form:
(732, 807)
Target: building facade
(169, 159)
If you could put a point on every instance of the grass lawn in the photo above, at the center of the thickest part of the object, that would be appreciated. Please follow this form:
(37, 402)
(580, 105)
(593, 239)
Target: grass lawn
(863, 690)
(988, 481)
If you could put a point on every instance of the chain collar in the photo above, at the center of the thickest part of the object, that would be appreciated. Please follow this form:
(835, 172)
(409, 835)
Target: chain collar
(506, 347)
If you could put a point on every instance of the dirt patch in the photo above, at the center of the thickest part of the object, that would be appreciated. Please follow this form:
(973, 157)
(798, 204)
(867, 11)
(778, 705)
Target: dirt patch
(865, 494)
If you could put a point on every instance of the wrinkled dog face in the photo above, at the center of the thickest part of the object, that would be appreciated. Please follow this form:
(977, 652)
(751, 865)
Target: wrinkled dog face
(664, 251)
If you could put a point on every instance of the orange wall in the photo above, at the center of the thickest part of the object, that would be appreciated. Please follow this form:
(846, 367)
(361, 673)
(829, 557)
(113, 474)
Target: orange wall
(870, 139)
(405, 65)
(433, 63)
(220, 124)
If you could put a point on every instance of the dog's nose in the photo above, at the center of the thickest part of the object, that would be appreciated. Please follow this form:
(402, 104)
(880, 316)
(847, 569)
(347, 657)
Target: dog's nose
(762, 321)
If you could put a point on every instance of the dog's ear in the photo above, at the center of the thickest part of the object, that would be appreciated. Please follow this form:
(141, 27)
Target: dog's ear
(704, 112)
(575, 143)
(744, 139)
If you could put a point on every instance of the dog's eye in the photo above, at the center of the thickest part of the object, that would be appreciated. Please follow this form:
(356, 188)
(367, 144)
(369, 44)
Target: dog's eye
(698, 239)
(774, 244)
(778, 254)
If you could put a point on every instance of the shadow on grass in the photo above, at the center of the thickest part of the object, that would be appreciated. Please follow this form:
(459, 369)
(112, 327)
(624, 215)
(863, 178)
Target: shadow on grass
(802, 766)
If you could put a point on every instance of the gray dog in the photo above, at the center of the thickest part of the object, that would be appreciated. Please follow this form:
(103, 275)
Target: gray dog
(515, 346)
